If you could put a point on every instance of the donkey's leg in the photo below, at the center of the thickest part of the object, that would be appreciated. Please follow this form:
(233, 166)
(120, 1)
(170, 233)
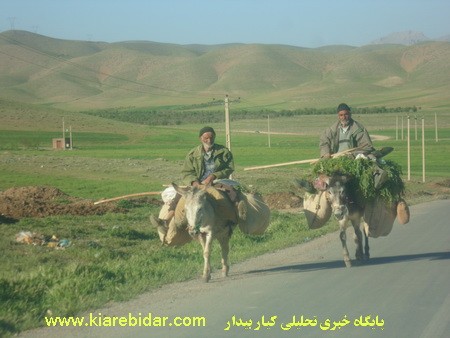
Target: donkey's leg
(358, 240)
(366, 247)
(224, 241)
(205, 240)
(343, 237)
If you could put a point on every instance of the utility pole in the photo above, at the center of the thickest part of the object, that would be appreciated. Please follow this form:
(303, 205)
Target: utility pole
(435, 127)
(423, 150)
(12, 19)
(396, 128)
(409, 151)
(64, 135)
(402, 127)
(227, 127)
(70, 130)
(268, 129)
(227, 124)
(415, 127)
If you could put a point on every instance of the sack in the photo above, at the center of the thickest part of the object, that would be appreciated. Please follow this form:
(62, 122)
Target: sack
(402, 212)
(317, 209)
(168, 194)
(170, 198)
(379, 218)
(177, 233)
(176, 236)
(257, 214)
(164, 213)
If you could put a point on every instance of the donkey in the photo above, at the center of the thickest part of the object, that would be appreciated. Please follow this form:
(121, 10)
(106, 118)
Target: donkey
(208, 216)
(347, 210)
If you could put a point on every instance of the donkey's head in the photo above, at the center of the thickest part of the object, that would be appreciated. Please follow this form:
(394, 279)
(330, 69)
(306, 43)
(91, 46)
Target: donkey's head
(197, 207)
(338, 196)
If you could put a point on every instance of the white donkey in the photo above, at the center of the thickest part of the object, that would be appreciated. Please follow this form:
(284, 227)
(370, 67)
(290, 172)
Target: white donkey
(210, 215)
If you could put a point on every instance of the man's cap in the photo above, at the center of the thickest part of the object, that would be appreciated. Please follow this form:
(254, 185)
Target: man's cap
(343, 106)
(206, 130)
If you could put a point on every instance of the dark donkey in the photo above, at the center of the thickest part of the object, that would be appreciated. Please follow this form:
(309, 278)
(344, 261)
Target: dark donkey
(347, 209)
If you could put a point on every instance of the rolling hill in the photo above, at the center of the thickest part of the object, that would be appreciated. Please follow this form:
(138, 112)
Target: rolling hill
(83, 75)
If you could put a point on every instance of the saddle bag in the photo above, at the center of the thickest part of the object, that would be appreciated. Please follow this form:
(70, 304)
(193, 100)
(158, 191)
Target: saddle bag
(402, 212)
(176, 232)
(379, 218)
(257, 214)
(317, 209)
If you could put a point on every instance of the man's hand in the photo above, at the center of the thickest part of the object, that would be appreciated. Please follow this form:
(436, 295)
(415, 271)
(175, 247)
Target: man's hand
(209, 180)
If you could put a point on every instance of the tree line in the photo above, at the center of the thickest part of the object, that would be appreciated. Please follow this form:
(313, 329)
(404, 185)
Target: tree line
(189, 115)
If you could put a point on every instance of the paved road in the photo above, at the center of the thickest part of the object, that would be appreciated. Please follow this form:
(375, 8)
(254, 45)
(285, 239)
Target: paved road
(305, 291)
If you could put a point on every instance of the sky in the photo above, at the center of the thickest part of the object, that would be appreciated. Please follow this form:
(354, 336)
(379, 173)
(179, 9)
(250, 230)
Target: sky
(303, 23)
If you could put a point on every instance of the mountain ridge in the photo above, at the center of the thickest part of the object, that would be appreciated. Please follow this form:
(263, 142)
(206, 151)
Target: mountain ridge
(93, 75)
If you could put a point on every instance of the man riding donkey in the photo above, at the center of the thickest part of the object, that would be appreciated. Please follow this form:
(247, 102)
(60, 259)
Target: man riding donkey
(350, 138)
(204, 166)
(345, 134)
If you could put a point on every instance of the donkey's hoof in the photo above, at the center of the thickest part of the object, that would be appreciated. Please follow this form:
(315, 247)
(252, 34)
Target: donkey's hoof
(206, 279)
(225, 272)
(348, 263)
(357, 263)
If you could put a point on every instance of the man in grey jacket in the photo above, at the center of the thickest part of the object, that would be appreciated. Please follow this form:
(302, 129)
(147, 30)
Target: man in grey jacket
(344, 134)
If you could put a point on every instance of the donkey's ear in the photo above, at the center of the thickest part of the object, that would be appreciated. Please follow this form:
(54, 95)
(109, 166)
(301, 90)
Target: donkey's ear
(180, 190)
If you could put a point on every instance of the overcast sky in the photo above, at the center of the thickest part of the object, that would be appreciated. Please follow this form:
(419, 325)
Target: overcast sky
(305, 23)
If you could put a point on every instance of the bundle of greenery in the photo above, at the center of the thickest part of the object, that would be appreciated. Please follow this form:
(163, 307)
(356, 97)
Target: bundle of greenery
(361, 172)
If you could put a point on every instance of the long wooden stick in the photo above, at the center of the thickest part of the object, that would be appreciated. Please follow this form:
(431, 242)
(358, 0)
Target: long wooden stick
(281, 164)
(128, 196)
(302, 161)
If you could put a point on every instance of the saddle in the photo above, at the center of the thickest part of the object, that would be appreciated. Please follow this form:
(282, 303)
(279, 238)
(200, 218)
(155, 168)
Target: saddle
(235, 196)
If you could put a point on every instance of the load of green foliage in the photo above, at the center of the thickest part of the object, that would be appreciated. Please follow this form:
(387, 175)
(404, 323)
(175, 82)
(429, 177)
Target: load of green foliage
(361, 172)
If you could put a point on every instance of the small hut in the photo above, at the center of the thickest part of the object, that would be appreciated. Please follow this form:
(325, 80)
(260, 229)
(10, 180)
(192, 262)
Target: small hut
(61, 143)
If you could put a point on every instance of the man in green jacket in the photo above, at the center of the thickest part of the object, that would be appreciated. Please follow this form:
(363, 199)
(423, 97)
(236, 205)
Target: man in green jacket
(203, 164)
(344, 134)
(208, 161)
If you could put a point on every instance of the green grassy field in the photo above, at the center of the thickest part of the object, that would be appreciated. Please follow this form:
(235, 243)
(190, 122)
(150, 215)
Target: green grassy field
(117, 256)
